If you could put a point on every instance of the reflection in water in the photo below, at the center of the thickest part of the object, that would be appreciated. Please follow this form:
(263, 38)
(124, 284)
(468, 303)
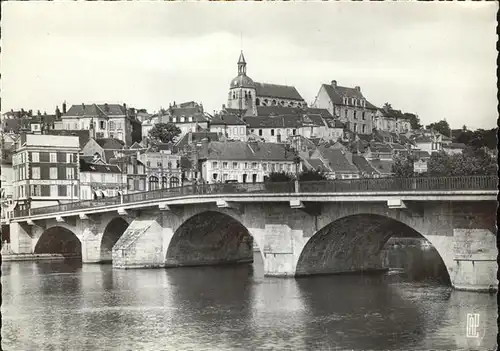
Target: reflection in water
(67, 306)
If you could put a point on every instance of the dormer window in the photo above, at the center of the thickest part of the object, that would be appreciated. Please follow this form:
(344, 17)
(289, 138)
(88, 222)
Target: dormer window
(190, 119)
(183, 119)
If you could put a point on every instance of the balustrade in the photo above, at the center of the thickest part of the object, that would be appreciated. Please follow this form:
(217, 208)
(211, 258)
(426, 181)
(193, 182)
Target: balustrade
(329, 186)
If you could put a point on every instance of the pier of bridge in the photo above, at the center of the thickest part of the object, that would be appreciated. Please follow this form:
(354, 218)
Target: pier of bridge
(329, 227)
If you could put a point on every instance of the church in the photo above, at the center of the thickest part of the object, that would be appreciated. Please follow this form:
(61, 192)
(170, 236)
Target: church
(245, 94)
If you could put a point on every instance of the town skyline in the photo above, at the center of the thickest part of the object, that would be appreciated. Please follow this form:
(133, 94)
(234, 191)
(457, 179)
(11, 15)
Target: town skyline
(166, 60)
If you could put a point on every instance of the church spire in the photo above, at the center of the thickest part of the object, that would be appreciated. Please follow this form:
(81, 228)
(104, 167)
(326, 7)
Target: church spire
(242, 65)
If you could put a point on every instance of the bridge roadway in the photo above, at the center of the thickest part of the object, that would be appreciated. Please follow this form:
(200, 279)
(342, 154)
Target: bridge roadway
(301, 229)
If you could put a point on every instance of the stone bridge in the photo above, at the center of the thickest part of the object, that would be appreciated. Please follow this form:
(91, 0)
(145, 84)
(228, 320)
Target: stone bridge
(297, 233)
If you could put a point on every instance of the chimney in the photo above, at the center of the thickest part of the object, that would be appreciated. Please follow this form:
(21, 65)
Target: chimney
(125, 107)
(83, 106)
(64, 107)
(334, 83)
(357, 88)
(106, 107)
(223, 106)
(190, 138)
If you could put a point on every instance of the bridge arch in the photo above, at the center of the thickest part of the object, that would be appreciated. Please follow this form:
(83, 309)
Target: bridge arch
(59, 240)
(354, 243)
(210, 237)
(113, 231)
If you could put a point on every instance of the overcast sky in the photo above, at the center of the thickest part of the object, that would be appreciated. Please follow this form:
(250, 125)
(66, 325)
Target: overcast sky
(435, 59)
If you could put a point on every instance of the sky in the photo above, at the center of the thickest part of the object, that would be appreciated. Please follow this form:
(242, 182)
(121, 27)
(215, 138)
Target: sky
(434, 59)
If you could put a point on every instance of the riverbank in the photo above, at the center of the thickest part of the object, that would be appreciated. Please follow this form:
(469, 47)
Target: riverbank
(35, 257)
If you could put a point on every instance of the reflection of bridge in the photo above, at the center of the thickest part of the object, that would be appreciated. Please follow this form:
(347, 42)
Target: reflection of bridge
(306, 228)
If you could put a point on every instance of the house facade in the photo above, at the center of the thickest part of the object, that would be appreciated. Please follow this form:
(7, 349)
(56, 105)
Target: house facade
(104, 120)
(348, 105)
(100, 180)
(243, 162)
(188, 117)
(231, 126)
(163, 169)
(45, 170)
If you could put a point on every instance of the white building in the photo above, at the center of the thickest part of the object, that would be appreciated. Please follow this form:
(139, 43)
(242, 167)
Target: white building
(243, 162)
(100, 180)
(229, 125)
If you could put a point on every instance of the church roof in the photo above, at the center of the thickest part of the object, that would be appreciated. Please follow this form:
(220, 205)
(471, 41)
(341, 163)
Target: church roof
(242, 81)
(336, 94)
(277, 91)
(242, 58)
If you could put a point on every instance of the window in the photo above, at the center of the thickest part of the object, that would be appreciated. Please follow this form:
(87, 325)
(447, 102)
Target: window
(164, 182)
(363, 115)
(272, 132)
(224, 177)
(235, 130)
(264, 167)
(224, 165)
(245, 166)
(153, 183)
(281, 167)
(260, 132)
(214, 164)
(102, 125)
(254, 165)
(140, 169)
(35, 157)
(53, 172)
(53, 190)
(159, 164)
(346, 113)
(355, 127)
(35, 173)
(294, 132)
(111, 125)
(289, 167)
(242, 130)
(174, 182)
(273, 167)
(68, 158)
(53, 157)
(35, 190)
(169, 165)
(363, 128)
(214, 176)
(354, 114)
(148, 164)
(142, 185)
(130, 169)
(70, 173)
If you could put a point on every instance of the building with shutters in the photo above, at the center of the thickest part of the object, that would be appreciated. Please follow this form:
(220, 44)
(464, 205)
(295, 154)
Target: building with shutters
(45, 169)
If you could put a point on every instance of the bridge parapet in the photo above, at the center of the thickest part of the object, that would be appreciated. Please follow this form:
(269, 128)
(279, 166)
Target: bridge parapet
(315, 187)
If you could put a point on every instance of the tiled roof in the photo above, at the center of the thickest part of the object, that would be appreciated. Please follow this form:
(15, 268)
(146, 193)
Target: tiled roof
(196, 137)
(284, 121)
(362, 164)
(95, 167)
(455, 146)
(11, 125)
(235, 111)
(319, 111)
(382, 166)
(226, 119)
(317, 164)
(254, 151)
(196, 117)
(136, 145)
(277, 91)
(96, 110)
(337, 93)
(265, 111)
(83, 135)
(337, 161)
(381, 148)
(397, 146)
(110, 143)
(421, 154)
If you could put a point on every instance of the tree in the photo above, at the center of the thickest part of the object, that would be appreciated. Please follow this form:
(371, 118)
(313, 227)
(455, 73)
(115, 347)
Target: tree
(280, 177)
(164, 132)
(403, 166)
(471, 161)
(414, 120)
(441, 127)
(312, 175)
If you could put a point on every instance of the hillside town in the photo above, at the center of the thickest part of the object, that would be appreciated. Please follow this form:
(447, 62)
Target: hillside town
(87, 150)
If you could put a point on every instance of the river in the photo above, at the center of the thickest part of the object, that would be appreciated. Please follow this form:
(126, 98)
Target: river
(70, 306)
